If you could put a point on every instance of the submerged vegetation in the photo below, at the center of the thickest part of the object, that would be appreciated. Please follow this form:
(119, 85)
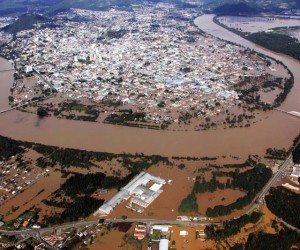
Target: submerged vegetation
(250, 181)
(285, 239)
(277, 42)
(189, 204)
(231, 227)
(284, 204)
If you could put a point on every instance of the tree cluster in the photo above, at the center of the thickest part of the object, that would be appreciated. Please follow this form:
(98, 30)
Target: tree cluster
(251, 181)
(9, 147)
(231, 227)
(285, 240)
(189, 204)
(284, 204)
(81, 208)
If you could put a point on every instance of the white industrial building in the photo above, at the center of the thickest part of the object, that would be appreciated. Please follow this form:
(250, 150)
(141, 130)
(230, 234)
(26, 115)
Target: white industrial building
(296, 171)
(140, 195)
(164, 244)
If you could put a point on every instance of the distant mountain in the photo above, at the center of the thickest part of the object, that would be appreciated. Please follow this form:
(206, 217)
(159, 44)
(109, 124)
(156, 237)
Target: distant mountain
(235, 9)
(13, 7)
(25, 22)
(8, 7)
(258, 5)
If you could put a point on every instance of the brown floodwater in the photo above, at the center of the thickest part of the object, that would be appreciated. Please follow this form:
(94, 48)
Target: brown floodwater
(31, 196)
(257, 24)
(275, 130)
(220, 197)
(6, 78)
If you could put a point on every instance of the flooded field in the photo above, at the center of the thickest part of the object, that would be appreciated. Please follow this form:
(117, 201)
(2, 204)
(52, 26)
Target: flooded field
(257, 24)
(189, 241)
(220, 197)
(33, 195)
(293, 101)
(103, 137)
(274, 129)
(166, 205)
(111, 240)
(113, 138)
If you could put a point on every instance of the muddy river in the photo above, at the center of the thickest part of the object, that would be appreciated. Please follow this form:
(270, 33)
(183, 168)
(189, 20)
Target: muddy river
(274, 130)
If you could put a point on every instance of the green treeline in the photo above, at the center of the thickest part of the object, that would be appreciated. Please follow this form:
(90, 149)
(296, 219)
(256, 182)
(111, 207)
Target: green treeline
(74, 157)
(189, 204)
(277, 154)
(74, 196)
(251, 181)
(247, 163)
(87, 184)
(24, 22)
(277, 42)
(284, 240)
(83, 184)
(67, 157)
(189, 158)
(202, 186)
(9, 148)
(288, 85)
(231, 227)
(284, 204)
(126, 117)
(81, 208)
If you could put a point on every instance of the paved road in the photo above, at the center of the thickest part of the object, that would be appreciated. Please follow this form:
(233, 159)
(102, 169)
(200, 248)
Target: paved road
(288, 225)
(20, 106)
(95, 222)
(275, 177)
(36, 232)
(42, 98)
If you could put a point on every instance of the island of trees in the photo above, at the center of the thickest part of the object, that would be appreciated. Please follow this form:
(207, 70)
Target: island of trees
(251, 181)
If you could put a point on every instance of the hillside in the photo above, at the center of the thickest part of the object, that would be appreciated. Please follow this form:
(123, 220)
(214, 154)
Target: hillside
(25, 22)
(262, 5)
(13, 7)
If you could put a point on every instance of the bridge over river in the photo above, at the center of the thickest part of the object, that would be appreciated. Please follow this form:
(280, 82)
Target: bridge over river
(293, 113)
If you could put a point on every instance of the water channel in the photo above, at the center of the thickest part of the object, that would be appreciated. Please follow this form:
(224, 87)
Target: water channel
(274, 130)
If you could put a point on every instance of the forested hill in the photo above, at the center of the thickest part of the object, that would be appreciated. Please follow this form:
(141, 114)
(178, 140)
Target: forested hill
(9, 7)
(13, 7)
(247, 6)
(25, 22)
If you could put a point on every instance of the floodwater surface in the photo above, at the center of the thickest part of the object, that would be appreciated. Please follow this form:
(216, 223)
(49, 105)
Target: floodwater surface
(274, 130)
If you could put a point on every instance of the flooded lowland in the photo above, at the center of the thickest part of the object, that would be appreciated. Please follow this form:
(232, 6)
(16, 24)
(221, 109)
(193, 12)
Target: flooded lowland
(257, 24)
(109, 138)
(274, 129)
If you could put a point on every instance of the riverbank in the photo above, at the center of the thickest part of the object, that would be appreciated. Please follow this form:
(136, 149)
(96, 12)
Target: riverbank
(117, 139)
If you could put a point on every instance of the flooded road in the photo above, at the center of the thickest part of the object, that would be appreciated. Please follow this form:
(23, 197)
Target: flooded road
(274, 130)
